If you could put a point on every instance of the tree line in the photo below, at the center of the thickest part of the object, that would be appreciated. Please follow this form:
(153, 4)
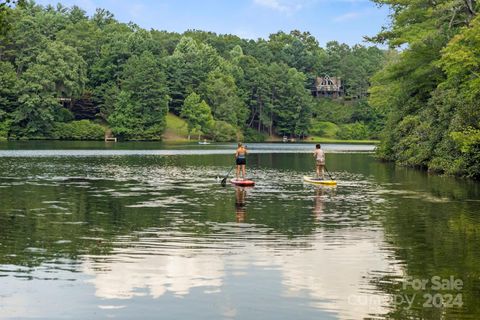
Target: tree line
(430, 90)
(66, 75)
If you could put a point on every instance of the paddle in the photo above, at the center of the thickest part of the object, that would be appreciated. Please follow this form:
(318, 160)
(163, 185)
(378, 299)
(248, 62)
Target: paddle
(224, 180)
(328, 173)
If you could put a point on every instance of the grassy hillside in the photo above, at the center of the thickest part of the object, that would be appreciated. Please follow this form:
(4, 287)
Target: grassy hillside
(316, 139)
(176, 129)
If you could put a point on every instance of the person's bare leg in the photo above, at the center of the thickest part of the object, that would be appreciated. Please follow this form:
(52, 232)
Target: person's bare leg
(318, 171)
(323, 172)
(244, 171)
(238, 172)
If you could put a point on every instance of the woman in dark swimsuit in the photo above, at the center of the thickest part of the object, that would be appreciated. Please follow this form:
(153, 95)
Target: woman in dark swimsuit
(241, 159)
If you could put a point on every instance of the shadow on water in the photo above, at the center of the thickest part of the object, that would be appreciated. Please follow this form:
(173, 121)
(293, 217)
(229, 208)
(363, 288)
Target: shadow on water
(147, 230)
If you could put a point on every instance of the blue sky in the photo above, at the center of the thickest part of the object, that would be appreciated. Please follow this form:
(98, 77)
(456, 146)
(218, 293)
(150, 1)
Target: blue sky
(342, 20)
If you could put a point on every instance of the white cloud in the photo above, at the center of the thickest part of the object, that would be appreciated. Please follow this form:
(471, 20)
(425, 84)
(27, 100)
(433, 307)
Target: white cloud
(328, 276)
(286, 6)
(291, 6)
(347, 16)
(353, 15)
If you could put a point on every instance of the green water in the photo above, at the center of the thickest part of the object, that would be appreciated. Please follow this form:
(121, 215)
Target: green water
(145, 230)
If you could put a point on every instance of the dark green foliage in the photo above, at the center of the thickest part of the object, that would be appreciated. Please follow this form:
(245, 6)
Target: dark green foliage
(223, 131)
(299, 50)
(222, 95)
(79, 130)
(8, 88)
(197, 114)
(187, 68)
(469, 159)
(346, 119)
(140, 109)
(324, 129)
(222, 43)
(54, 59)
(5, 16)
(354, 65)
(353, 131)
(333, 111)
(372, 118)
(5, 126)
(124, 121)
(253, 135)
(64, 115)
(56, 73)
(430, 91)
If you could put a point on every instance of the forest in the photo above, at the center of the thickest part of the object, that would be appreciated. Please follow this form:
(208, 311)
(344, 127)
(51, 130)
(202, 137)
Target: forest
(430, 91)
(67, 75)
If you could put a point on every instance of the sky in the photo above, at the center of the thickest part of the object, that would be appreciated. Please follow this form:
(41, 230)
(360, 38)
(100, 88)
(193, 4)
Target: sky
(346, 21)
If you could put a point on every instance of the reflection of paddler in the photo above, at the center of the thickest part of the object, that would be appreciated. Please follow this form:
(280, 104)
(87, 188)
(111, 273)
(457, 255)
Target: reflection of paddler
(319, 204)
(240, 201)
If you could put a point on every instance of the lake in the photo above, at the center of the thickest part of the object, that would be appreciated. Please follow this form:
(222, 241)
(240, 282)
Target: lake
(94, 230)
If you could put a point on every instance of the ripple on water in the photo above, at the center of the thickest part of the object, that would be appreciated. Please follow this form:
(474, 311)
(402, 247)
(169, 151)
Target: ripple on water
(315, 244)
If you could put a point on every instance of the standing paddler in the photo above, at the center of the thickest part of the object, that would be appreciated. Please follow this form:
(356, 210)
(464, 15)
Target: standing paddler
(241, 160)
(319, 156)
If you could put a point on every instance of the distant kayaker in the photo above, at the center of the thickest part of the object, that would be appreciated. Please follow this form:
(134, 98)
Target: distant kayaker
(241, 160)
(319, 156)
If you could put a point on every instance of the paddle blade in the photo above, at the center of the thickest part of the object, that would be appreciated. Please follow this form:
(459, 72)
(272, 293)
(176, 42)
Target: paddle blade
(224, 180)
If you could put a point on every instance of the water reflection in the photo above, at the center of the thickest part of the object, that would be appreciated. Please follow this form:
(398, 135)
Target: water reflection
(146, 268)
(334, 278)
(321, 195)
(156, 232)
(319, 202)
(240, 203)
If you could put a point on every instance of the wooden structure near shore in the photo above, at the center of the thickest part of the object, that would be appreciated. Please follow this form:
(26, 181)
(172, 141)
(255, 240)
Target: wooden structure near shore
(109, 136)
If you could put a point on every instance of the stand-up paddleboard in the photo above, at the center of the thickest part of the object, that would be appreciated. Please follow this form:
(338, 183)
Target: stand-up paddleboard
(319, 181)
(243, 183)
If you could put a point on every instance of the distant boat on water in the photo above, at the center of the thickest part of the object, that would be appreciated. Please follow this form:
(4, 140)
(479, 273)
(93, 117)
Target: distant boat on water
(203, 142)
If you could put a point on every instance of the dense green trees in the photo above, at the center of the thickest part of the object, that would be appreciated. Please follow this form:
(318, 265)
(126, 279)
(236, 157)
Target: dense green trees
(431, 89)
(57, 72)
(58, 66)
(197, 114)
(144, 82)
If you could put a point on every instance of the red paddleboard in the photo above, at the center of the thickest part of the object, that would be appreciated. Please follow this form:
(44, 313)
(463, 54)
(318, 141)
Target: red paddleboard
(245, 183)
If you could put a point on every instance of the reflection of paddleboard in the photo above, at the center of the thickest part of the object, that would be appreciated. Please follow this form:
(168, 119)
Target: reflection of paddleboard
(244, 183)
(319, 181)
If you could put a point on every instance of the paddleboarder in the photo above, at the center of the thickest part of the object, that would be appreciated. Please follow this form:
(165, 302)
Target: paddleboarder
(319, 156)
(241, 160)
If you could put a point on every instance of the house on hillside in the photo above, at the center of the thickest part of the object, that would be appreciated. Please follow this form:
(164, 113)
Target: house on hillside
(327, 86)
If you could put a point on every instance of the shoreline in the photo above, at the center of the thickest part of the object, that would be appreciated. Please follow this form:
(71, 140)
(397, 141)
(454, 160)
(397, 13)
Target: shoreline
(182, 141)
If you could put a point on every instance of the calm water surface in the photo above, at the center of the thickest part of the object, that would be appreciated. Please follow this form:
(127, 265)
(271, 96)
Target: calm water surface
(145, 230)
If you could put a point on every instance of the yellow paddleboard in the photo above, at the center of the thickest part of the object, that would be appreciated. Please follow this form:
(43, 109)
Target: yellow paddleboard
(319, 181)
